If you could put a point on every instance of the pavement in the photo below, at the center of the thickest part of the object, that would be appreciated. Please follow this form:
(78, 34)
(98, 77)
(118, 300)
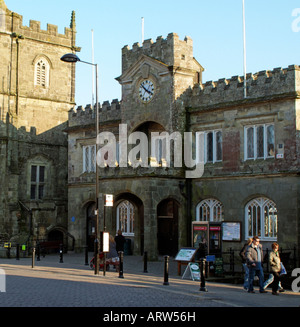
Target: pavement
(72, 284)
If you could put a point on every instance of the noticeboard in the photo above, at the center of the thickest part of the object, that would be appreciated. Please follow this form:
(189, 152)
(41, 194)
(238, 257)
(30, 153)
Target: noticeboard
(231, 231)
(185, 254)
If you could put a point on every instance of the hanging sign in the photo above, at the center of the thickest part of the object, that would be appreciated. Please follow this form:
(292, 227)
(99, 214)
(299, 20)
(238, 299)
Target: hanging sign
(109, 200)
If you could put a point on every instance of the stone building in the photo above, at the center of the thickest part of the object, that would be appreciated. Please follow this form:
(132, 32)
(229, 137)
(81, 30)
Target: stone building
(249, 147)
(36, 93)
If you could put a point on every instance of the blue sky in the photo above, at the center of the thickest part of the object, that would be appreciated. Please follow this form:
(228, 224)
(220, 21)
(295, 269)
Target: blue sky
(215, 27)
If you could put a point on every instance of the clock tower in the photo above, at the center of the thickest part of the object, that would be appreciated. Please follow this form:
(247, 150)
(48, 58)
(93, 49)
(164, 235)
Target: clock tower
(153, 76)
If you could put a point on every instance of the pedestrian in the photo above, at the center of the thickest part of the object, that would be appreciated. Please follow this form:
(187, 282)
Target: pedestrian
(244, 263)
(254, 257)
(112, 255)
(120, 241)
(275, 266)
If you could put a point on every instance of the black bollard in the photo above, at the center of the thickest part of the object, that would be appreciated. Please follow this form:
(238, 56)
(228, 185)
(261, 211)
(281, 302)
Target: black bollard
(18, 252)
(121, 264)
(61, 253)
(86, 256)
(145, 261)
(166, 270)
(104, 264)
(202, 272)
(38, 252)
(33, 257)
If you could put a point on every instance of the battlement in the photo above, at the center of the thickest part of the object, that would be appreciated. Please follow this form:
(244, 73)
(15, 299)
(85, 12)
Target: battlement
(107, 112)
(170, 51)
(14, 24)
(264, 84)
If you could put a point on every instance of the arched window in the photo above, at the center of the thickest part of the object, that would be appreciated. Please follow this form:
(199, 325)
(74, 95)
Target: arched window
(261, 219)
(210, 210)
(41, 73)
(125, 218)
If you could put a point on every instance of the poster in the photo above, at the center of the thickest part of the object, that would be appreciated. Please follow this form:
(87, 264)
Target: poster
(231, 231)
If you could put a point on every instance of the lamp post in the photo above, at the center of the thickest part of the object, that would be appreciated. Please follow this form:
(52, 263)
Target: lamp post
(73, 58)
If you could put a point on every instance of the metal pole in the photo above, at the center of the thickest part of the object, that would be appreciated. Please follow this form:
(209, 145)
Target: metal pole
(33, 256)
(18, 252)
(61, 253)
(145, 261)
(244, 42)
(86, 256)
(166, 270)
(121, 264)
(202, 272)
(96, 255)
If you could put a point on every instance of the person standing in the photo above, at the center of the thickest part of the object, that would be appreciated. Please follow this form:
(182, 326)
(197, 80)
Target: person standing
(275, 265)
(254, 257)
(244, 263)
(120, 241)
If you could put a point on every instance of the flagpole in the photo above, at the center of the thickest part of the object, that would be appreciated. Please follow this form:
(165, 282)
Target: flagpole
(244, 41)
(142, 30)
(93, 73)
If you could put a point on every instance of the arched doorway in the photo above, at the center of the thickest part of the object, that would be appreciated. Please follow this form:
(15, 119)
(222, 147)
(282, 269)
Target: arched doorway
(129, 217)
(167, 227)
(90, 226)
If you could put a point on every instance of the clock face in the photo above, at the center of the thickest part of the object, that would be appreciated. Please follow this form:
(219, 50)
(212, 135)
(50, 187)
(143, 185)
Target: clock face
(146, 90)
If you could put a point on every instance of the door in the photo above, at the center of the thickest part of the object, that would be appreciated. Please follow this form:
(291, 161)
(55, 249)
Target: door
(90, 227)
(167, 227)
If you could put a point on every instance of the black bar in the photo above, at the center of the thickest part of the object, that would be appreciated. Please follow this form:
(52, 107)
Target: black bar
(145, 261)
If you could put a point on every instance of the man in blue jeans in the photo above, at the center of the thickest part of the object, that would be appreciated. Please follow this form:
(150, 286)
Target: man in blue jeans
(254, 257)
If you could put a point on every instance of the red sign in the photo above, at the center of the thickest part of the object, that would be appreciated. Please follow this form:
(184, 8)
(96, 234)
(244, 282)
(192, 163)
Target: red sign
(200, 227)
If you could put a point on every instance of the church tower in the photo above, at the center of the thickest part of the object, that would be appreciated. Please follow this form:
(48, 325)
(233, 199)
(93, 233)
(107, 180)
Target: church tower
(36, 93)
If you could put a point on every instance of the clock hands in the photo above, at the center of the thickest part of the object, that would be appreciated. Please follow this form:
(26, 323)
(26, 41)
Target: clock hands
(148, 91)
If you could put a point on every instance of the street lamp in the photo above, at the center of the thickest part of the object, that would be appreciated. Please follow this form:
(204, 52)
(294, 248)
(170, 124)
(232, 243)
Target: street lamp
(73, 58)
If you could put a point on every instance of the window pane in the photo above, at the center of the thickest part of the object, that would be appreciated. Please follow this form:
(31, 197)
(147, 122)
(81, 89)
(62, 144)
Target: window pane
(32, 192)
(250, 142)
(33, 173)
(42, 174)
(270, 141)
(219, 146)
(209, 149)
(260, 141)
(41, 192)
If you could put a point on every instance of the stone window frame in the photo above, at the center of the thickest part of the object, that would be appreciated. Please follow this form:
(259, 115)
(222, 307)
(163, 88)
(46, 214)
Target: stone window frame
(40, 161)
(261, 218)
(89, 158)
(207, 207)
(42, 68)
(128, 213)
(215, 157)
(253, 142)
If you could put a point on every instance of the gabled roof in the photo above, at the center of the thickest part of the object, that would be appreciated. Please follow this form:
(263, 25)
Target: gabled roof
(143, 59)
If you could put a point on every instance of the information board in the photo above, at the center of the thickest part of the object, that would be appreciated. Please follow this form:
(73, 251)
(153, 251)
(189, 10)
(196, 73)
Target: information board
(231, 231)
(185, 254)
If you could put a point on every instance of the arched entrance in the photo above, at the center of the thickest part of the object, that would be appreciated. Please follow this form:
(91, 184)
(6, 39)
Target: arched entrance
(90, 226)
(129, 217)
(167, 227)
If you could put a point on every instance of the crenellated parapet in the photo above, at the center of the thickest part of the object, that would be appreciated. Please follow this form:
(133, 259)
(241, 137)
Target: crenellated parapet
(108, 112)
(172, 51)
(14, 25)
(266, 84)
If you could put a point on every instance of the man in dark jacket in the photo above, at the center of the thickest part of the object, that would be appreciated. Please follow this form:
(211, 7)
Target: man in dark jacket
(254, 257)
(120, 241)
